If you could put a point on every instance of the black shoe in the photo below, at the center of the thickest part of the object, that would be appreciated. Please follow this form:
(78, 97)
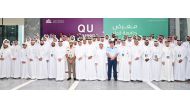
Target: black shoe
(68, 79)
(115, 79)
(75, 79)
(109, 79)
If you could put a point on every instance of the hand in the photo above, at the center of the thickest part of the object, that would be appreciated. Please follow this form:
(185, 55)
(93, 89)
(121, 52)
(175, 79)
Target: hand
(163, 63)
(67, 56)
(137, 58)
(90, 57)
(40, 59)
(147, 60)
(156, 59)
(70, 61)
(108, 55)
(14, 58)
(23, 62)
(31, 59)
(80, 58)
(129, 62)
(112, 58)
(59, 59)
(180, 60)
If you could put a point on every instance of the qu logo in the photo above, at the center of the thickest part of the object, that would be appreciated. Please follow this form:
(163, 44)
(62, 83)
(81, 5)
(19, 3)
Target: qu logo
(82, 28)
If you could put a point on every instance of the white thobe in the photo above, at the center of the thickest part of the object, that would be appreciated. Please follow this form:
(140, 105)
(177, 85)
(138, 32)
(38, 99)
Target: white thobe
(151, 43)
(101, 61)
(52, 62)
(96, 44)
(66, 44)
(129, 44)
(32, 57)
(173, 45)
(188, 63)
(167, 68)
(179, 68)
(156, 64)
(42, 72)
(15, 64)
(24, 66)
(80, 64)
(124, 57)
(106, 43)
(141, 42)
(1, 62)
(186, 44)
(6, 63)
(118, 46)
(136, 65)
(146, 70)
(60, 65)
(90, 63)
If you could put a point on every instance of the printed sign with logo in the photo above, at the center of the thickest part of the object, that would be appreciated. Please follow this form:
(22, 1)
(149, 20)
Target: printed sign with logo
(73, 26)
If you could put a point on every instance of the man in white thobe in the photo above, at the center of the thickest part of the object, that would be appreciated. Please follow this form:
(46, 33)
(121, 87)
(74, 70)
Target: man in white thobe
(66, 44)
(15, 63)
(80, 61)
(52, 61)
(60, 61)
(167, 63)
(146, 61)
(186, 44)
(180, 61)
(24, 61)
(105, 43)
(129, 42)
(5, 61)
(156, 62)
(118, 45)
(136, 65)
(188, 63)
(42, 72)
(95, 43)
(101, 61)
(124, 59)
(32, 49)
(84, 45)
(90, 61)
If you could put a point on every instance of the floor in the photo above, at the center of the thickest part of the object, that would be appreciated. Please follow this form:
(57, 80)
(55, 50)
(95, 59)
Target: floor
(20, 84)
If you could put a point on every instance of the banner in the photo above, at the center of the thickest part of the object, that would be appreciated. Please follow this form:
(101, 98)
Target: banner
(101, 27)
(136, 26)
(72, 26)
